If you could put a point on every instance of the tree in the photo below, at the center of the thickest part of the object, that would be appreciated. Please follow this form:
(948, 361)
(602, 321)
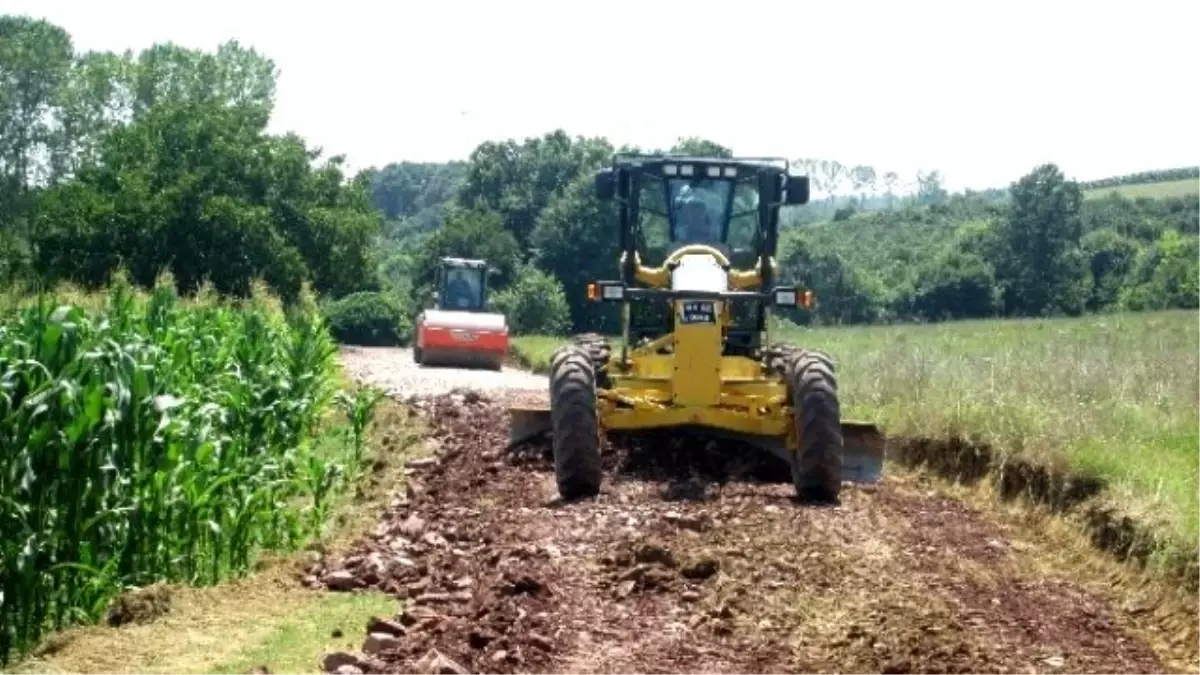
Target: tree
(1041, 269)
(576, 240)
(929, 188)
(517, 181)
(35, 59)
(701, 147)
(832, 172)
(955, 285)
(467, 233)
(535, 304)
(1111, 257)
(843, 294)
(890, 180)
(862, 178)
(199, 189)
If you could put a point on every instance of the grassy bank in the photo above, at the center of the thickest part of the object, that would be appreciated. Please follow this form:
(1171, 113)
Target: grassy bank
(1115, 396)
(156, 439)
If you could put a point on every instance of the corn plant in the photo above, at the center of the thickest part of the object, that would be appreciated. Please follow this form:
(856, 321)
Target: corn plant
(359, 409)
(150, 441)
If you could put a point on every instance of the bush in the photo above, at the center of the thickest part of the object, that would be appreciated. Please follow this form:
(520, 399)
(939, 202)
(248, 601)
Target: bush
(535, 304)
(369, 318)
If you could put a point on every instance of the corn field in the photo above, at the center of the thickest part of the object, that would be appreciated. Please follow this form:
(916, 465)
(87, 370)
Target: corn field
(148, 440)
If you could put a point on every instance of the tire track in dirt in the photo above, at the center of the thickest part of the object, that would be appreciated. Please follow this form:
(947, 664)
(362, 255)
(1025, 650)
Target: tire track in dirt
(695, 559)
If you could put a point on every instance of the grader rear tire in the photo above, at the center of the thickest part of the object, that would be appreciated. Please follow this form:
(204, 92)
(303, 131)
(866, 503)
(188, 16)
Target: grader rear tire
(574, 423)
(817, 465)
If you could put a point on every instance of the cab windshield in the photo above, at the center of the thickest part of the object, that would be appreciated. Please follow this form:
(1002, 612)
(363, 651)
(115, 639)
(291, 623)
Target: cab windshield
(698, 209)
(463, 288)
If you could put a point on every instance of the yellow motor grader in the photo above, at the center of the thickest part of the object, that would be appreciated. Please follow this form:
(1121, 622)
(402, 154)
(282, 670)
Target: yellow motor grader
(698, 237)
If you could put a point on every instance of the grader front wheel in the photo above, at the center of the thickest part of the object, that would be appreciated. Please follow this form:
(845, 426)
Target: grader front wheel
(574, 424)
(817, 464)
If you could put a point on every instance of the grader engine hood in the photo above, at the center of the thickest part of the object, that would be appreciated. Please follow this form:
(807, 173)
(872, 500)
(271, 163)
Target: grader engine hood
(699, 272)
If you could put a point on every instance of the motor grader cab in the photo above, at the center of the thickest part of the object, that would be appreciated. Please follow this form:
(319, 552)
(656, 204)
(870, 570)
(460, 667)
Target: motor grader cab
(459, 330)
(698, 361)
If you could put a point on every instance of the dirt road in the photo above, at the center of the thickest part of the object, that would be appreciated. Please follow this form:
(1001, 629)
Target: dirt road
(694, 560)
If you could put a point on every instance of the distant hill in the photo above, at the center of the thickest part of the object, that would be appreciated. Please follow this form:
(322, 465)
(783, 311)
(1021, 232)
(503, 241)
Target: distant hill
(1161, 184)
(1183, 187)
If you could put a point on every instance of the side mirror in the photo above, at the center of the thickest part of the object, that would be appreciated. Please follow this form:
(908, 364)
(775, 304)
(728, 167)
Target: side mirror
(606, 184)
(797, 190)
(434, 296)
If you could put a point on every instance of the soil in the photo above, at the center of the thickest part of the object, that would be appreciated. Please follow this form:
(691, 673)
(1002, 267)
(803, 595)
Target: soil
(694, 558)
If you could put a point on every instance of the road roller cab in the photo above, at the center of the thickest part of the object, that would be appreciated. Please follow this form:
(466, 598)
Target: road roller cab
(459, 330)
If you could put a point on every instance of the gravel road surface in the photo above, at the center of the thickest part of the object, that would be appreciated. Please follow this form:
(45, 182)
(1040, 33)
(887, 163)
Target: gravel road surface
(392, 369)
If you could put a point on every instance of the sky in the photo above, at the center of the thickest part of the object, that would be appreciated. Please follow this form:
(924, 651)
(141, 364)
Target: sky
(982, 91)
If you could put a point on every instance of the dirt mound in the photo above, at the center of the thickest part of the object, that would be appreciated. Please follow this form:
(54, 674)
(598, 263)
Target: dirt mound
(694, 559)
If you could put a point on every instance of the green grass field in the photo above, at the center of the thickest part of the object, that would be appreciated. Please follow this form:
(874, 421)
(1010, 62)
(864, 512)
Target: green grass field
(1161, 190)
(1116, 395)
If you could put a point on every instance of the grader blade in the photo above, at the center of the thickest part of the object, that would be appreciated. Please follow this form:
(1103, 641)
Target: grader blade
(862, 452)
(526, 423)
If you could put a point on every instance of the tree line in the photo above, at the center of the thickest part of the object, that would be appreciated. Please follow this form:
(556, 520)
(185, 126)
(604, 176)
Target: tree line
(161, 161)
(1033, 248)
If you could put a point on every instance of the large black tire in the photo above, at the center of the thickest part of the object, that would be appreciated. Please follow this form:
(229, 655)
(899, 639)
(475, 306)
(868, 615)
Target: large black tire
(598, 350)
(574, 423)
(816, 412)
(817, 464)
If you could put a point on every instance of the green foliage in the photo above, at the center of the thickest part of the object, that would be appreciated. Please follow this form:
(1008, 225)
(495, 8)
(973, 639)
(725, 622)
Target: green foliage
(152, 440)
(535, 303)
(161, 161)
(700, 147)
(415, 190)
(369, 318)
(843, 294)
(517, 181)
(1042, 229)
(575, 240)
(1166, 274)
(956, 284)
(467, 233)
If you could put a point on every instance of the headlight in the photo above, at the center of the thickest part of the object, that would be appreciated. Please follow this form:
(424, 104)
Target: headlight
(785, 297)
(606, 291)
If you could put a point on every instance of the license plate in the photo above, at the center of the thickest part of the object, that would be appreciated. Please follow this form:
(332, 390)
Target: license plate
(699, 311)
(464, 335)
